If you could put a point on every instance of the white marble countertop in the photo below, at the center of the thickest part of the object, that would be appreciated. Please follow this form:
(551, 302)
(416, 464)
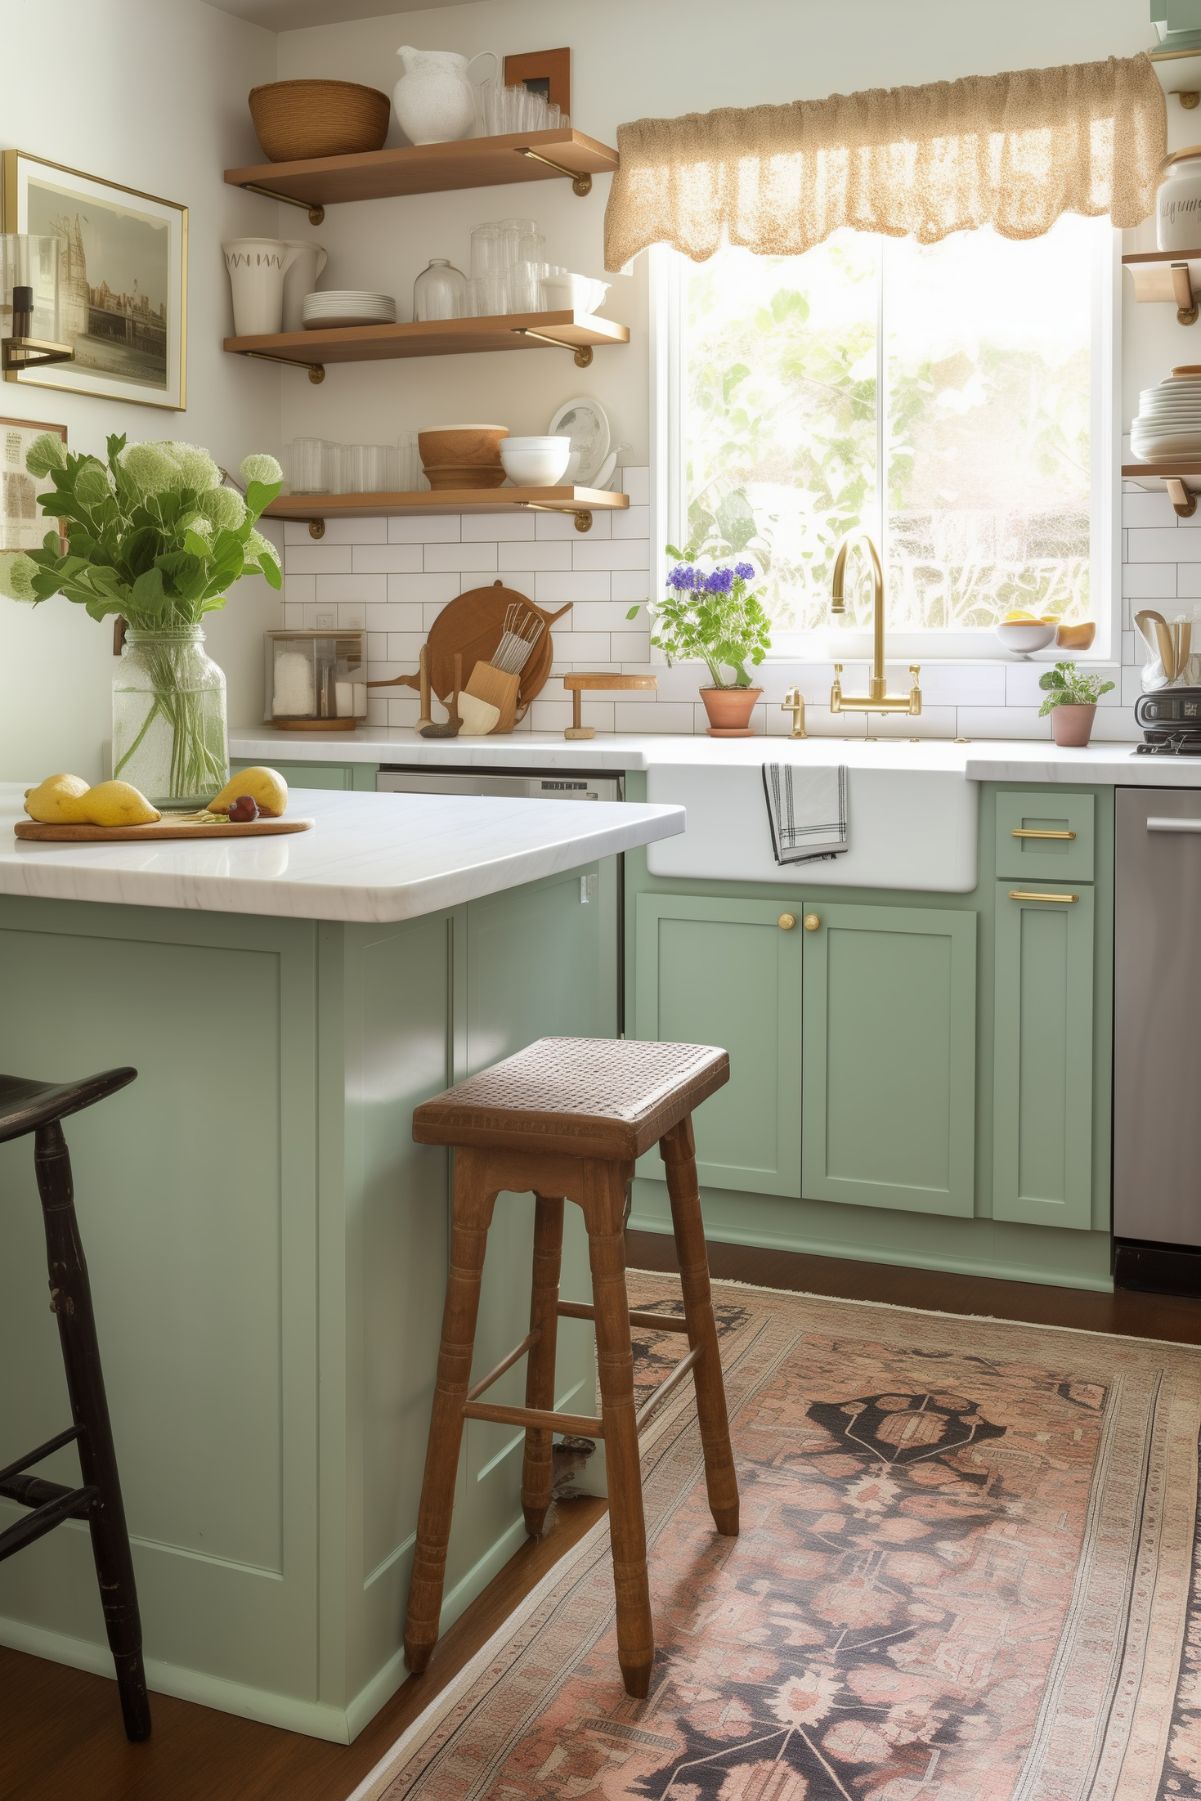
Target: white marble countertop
(370, 858)
(982, 760)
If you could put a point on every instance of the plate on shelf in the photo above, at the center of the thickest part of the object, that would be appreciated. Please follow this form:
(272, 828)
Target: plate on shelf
(586, 423)
(334, 308)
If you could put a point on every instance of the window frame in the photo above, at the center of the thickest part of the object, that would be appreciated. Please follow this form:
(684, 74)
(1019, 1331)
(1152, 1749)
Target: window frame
(851, 643)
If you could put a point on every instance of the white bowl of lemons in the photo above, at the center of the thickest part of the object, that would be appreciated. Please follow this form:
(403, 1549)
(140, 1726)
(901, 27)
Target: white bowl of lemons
(1022, 634)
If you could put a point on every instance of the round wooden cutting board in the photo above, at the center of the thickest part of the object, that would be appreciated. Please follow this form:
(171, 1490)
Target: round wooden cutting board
(472, 626)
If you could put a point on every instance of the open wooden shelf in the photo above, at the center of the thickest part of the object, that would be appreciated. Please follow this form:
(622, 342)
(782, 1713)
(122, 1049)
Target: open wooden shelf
(1179, 73)
(323, 181)
(1173, 275)
(317, 508)
(1181, 478)
(574, 332)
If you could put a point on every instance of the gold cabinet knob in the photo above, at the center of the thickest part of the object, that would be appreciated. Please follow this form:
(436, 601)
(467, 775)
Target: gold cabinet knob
(812, 922)
(786, 921)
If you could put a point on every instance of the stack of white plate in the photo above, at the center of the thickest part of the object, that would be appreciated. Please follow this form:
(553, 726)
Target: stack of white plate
(1168, 423)
(347, 306)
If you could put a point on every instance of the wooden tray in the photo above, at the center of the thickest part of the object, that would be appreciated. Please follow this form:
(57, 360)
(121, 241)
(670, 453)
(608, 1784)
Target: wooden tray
(472, 626)
(179, 825)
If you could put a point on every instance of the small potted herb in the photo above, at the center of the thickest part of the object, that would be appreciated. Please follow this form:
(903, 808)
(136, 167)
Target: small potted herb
(1071, 700)
(712, 617)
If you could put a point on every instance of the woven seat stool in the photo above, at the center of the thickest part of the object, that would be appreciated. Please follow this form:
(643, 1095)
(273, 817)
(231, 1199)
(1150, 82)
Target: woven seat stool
(567, 1118)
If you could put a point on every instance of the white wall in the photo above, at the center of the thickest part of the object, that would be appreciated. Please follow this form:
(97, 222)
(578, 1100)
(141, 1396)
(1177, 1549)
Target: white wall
(151, 93)
(632, 58)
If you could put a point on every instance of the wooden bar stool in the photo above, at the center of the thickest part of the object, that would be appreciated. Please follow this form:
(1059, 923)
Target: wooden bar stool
(40, 1107)
(566, 1119)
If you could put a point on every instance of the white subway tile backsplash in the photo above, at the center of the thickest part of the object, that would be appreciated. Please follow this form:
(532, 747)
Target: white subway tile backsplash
(635, 522)
(405, 647)
(547, 555)
(1153, 509)
(362, 588)
(460, 556)
(562, 525)
(636, 482)
(424, 528)
(664, 716)
(339, 531)
(581, 647)
(1163, 545)
(495, 527)
(632, 585)
(386, 558)
(1002, 722)
(317, 559)
(557, 587)
(1148, 581)
(428, 588)
(622, 553)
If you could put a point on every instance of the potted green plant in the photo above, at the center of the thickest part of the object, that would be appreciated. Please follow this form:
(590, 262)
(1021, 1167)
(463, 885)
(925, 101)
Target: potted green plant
(154, 536)
(1071, 700)
(712, 617)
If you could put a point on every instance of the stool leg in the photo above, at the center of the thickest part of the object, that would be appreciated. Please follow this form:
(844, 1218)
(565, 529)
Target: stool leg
(471, 1217)
(71, 1298)
(537, 1470)
(605, 1186)
(679, 1156)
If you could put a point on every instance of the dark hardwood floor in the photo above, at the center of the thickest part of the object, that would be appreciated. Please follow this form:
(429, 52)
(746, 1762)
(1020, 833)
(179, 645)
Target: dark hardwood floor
(60, 1733)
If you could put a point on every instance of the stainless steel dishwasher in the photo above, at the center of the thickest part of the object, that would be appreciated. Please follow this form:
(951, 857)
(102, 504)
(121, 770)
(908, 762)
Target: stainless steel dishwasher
(1157, 1040)
(530, 784)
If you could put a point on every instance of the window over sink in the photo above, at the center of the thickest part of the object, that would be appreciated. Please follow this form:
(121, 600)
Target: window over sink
(955, 400)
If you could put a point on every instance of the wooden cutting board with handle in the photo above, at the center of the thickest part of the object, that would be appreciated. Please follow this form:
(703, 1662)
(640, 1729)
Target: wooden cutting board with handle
(472, 627)
(179, 825)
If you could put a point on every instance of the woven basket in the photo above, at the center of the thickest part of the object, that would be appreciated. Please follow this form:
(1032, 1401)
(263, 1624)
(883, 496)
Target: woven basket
(299, 119)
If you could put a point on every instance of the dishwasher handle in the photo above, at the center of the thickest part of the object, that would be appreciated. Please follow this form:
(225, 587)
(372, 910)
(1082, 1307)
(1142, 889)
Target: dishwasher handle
(1155, 824)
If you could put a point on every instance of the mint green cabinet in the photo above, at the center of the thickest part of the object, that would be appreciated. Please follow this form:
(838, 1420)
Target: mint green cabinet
(888, 1059)
(346, 776)
(1044, 1070)
(717, 971)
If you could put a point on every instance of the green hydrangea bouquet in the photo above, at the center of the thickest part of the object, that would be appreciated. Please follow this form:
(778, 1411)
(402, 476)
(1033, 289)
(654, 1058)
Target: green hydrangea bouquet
(154, 535)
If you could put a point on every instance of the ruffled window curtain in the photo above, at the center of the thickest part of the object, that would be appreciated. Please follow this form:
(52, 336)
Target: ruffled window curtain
(1012, 151)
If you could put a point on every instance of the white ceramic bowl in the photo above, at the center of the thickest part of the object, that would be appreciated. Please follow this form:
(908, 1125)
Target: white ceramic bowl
(538, 462)
(573, 293)
(1023, 637)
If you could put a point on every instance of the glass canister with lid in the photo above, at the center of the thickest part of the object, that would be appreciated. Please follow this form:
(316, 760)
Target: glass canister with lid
(315, 680)
(1178, 201)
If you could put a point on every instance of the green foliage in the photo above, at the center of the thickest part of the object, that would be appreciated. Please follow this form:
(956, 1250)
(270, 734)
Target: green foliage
(1067, 685)
(724, 627)
(149, 535)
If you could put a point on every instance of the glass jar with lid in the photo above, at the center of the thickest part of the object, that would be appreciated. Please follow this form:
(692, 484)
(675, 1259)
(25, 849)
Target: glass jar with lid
(315, 680)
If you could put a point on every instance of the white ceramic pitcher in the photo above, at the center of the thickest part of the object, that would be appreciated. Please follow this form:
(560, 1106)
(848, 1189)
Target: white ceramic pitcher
(435, 99)
(301, 279)
(257, 267)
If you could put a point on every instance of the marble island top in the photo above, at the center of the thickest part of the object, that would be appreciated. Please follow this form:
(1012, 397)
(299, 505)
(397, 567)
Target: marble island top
(980, 760)
(371, 858)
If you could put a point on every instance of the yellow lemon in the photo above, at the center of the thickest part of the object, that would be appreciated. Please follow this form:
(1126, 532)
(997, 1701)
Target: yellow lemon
(57, 800)
(266, 788)
(118, 803)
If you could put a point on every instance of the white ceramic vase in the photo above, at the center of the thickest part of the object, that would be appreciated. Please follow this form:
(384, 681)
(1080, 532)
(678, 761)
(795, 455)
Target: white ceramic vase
(435, 99)
(301, 279)
(1178, 203)
(257, 267)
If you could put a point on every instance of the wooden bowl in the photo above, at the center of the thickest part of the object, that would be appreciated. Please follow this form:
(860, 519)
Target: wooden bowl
(294, 120)
(464, 475)
(1076, 637)
(463, 456)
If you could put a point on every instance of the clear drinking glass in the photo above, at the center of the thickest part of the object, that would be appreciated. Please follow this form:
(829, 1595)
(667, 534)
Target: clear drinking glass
(307, 465)
(440, 291)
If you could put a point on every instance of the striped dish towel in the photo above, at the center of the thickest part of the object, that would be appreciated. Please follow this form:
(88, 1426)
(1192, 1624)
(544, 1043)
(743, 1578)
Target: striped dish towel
(807, 812)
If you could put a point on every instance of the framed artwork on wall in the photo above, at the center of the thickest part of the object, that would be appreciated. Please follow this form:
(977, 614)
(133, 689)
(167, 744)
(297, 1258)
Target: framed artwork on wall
(123, 281)
(546, 72)
(22, 525)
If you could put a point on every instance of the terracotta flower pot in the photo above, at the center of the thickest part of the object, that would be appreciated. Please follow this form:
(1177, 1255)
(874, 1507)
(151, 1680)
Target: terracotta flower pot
(1072, 727)
(730, 710)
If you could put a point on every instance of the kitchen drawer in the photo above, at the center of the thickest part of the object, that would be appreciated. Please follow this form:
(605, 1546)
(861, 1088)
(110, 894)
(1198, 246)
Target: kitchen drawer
(1023, 852)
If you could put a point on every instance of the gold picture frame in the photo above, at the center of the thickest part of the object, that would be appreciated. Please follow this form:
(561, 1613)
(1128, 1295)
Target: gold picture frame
(124, 294)
(22, 525)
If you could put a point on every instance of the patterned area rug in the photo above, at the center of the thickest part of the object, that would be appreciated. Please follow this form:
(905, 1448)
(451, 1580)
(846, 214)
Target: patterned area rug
(967, 1572)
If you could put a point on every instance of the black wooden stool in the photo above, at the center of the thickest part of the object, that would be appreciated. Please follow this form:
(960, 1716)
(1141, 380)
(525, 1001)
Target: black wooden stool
(38, 1107)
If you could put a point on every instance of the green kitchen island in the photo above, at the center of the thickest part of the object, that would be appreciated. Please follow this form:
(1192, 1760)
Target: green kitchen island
(267, 1245)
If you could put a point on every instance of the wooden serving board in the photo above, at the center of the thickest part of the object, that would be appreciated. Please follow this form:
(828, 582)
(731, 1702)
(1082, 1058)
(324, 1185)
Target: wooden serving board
(472, 627)
(178, 825)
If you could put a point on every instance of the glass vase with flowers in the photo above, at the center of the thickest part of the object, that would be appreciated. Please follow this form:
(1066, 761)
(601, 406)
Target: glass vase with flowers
(155, 536)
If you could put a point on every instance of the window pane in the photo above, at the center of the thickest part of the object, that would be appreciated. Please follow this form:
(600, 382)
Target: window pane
(987, 393)
(780, 425)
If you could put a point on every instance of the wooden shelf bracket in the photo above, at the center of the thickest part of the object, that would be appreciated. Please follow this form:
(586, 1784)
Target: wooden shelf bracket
(581, 352)
(315, 371)
(1184, 501)
(581, 181)
(1182, 293)
(314, 209)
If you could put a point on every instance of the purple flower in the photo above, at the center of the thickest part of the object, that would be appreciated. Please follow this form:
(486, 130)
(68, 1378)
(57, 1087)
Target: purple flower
(745, 570)
(683, 578)
(720, 581)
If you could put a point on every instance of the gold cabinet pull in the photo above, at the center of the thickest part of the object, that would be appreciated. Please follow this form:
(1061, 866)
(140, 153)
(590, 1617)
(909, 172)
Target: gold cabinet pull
(812, 922)
(1021, 831)
(786, 921)
(1020, 894)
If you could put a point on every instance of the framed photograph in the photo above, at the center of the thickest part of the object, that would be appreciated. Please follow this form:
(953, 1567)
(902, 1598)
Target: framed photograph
(547, 72)
(22, 525)
(123, 281)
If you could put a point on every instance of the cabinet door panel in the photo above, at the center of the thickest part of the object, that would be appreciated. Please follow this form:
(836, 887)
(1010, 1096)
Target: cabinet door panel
(889, 1058)
(1042, 1111)
(723, 972)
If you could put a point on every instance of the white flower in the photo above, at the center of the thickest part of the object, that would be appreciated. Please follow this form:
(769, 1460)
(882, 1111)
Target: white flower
(195, 465)
(45, 453)
(261, 468)
(258, 547)
(150, 468)
(16, 575)
(223, 508)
